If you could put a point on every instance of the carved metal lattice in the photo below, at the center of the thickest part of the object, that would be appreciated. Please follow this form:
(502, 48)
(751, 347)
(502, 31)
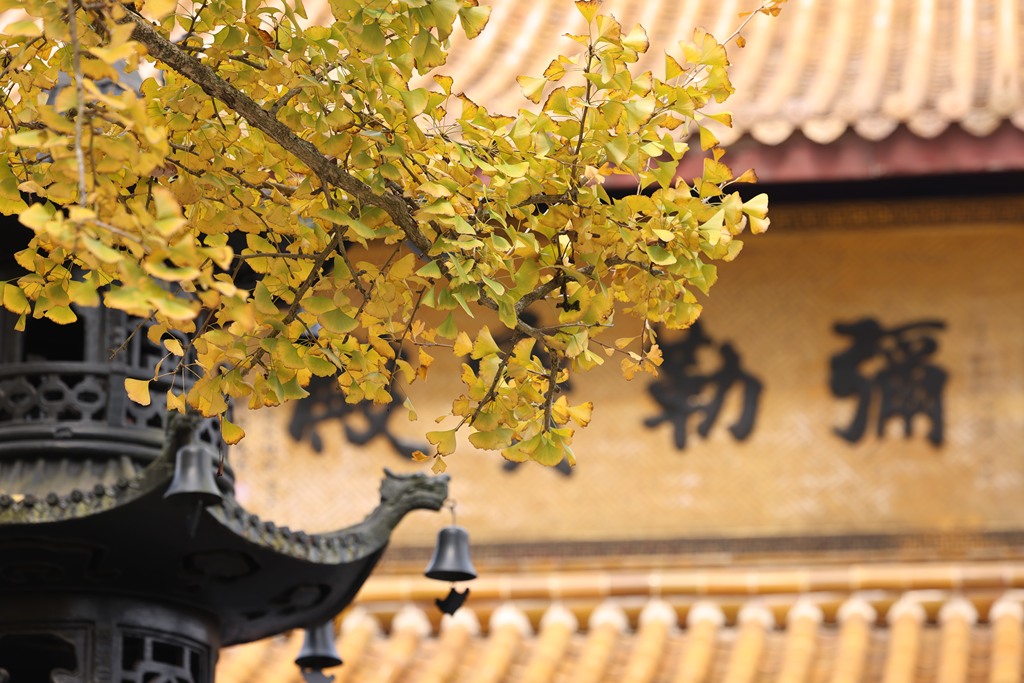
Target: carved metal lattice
(52, 396)
(150, 658)
(67, 382)
(80, 395)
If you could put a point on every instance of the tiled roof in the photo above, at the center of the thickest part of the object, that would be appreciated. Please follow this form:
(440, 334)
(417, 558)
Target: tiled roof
(843, 73)
(968, 627)
(821, 67)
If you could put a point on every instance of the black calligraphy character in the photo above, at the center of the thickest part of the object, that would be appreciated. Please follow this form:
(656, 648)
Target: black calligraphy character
(723, 380)
(907, 384)
(681, 389)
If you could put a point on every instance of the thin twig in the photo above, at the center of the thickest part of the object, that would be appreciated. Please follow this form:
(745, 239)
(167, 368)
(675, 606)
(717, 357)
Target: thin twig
(549, 399)
(10, 65)
(344, 252)
(286, 190)
(114, 230)
(76, 52)
(743, 24)
(278, 254)
(300, 291)
(548, 199)
(14, 123)
(192, 25)
(492, 391)
(123, 346)
(247, 62)
(283, 100)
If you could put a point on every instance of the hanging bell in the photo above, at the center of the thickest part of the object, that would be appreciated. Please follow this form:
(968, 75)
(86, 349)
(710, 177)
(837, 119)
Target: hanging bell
(318, 650)
(451, 556)
(193, 476)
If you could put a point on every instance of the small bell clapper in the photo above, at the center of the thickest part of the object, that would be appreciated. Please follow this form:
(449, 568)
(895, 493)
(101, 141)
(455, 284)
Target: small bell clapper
(453, 601)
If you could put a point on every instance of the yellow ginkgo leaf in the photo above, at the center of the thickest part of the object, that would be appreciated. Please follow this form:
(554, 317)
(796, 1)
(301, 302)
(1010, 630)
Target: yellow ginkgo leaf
(588, 8)
(443, 440)
(137, 390)
(230, 432)
(637, 39)
(463, 344)
(532, 87)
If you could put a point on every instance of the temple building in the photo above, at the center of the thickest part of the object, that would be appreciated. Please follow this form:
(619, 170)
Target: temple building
(823, 484)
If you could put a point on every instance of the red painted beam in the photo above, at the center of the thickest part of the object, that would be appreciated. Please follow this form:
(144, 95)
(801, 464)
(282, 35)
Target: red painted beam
(852, 157)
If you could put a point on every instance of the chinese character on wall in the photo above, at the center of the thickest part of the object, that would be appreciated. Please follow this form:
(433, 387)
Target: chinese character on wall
(893, 370)
(685, 389)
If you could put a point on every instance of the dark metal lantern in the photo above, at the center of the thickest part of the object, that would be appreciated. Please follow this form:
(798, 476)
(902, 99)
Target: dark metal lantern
(122, 558)
(193, 476)
(451, 556)
(318, 649)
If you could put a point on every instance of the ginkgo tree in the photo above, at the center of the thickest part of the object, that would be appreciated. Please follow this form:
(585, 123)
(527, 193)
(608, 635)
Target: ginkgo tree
(374, 216)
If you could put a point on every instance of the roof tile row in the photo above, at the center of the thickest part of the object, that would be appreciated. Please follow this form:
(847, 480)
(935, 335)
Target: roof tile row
(901, 646)
(821, 67)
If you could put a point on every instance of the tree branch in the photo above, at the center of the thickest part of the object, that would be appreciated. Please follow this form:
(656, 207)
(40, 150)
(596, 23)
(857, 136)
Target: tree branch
(168, 53)
(327, 170)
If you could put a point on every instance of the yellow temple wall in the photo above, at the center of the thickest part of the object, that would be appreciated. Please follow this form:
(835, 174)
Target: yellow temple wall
(793, 476)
